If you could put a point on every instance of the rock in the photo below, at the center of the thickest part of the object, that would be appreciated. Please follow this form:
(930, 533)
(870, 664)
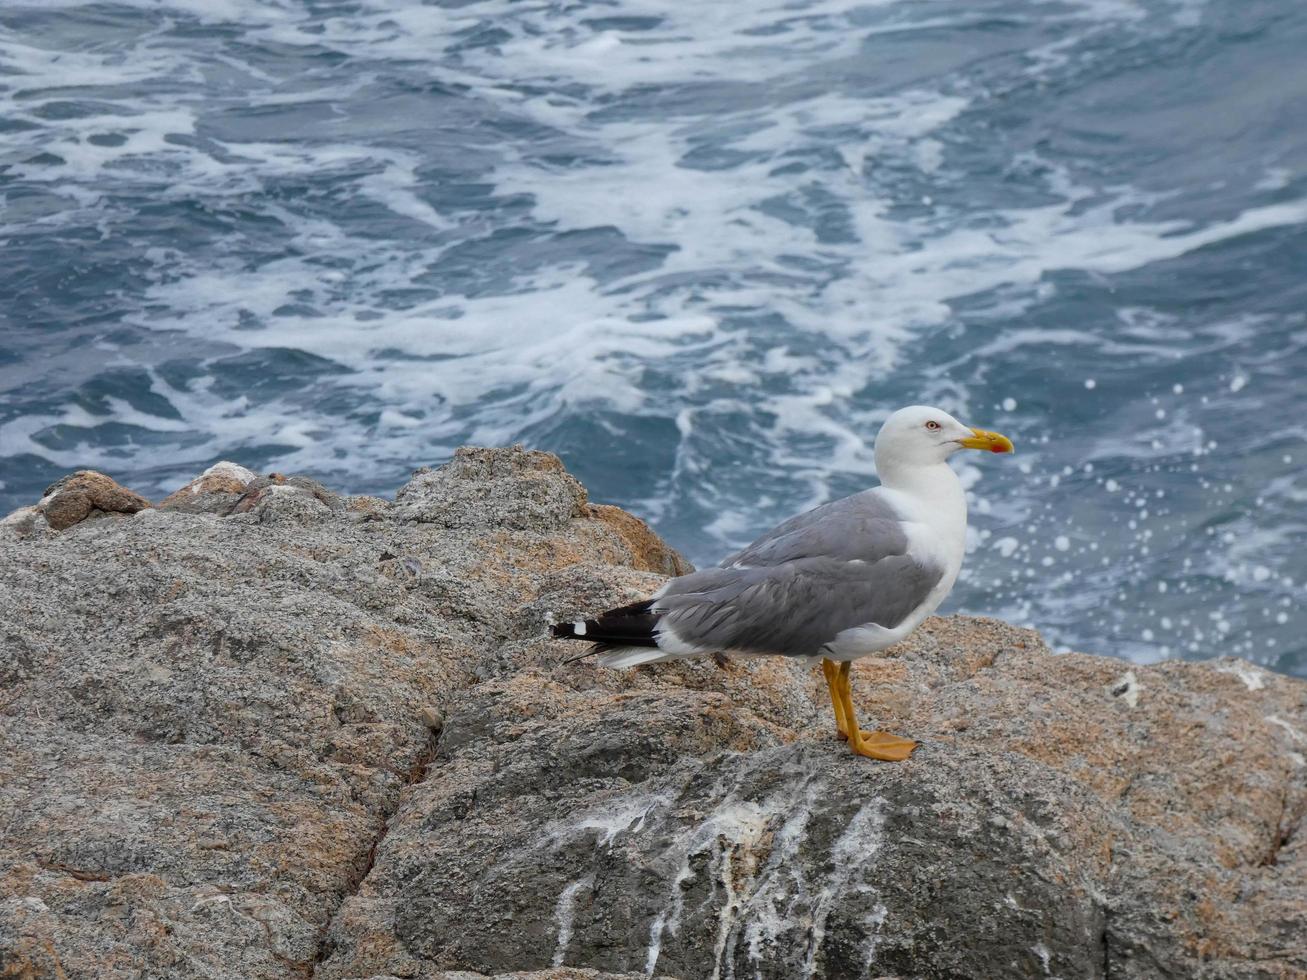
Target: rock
(215, 491)
(1044, 828)
(275, 503)
(86, 494)
(649, 551)
(558, 973)
(297, 499)
(365, 506)
(25, 521)
(513, 488)
(298, 736)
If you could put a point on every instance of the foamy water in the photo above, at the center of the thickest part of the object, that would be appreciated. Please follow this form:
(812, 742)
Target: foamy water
(701, 251)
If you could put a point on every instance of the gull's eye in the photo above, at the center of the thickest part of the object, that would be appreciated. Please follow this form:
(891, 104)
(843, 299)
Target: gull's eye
(932, 424)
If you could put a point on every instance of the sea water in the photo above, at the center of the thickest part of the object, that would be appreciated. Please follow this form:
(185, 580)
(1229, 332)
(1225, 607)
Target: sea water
(700, 250)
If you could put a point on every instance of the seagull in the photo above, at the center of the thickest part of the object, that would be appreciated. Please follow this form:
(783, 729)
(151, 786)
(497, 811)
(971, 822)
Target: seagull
(835, 584)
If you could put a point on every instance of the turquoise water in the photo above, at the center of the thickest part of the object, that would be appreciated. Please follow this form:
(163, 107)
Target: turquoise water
(700, 251)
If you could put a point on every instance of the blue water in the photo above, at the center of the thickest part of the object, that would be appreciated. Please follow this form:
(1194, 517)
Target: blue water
(700, 250)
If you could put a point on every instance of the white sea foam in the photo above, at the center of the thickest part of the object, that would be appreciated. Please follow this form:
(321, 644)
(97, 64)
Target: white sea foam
(896, 275)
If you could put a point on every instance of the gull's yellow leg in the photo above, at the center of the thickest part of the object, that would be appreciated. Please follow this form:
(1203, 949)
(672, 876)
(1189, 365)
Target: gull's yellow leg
(873, 745)
(832, 673)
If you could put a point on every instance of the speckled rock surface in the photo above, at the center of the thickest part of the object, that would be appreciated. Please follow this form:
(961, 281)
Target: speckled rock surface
(77, 497)
(206, 719)
(214, 491)
(1066, 816)
(266, 731)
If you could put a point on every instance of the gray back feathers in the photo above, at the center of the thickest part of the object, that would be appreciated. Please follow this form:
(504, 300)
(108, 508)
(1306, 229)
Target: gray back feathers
(842, 565)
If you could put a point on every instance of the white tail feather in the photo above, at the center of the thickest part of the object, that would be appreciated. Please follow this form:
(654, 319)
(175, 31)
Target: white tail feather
(634, 656)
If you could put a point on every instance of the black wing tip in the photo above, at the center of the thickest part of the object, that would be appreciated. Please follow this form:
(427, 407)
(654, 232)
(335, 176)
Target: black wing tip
(625, 626)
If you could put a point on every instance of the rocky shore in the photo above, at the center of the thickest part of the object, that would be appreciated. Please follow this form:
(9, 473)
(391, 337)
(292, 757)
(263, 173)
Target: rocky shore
(261, 730)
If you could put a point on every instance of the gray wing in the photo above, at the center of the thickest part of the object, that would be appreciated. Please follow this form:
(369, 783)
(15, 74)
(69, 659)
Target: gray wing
(842, 565)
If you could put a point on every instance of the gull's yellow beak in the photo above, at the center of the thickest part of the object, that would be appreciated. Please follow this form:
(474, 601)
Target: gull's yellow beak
(984, 439)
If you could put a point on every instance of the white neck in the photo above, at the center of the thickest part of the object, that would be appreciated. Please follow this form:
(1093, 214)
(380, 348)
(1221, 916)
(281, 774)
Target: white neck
(937, 492)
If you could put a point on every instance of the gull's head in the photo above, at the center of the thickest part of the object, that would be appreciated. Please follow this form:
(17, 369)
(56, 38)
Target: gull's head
(920, 435)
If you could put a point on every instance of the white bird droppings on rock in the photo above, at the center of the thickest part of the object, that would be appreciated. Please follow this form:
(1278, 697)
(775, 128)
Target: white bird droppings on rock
(1297, 736)
(1040, 950)
(853, 849)
(1127, 688)
(564, 913)
(627, 815)
(227, 470)
(1246, 672)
